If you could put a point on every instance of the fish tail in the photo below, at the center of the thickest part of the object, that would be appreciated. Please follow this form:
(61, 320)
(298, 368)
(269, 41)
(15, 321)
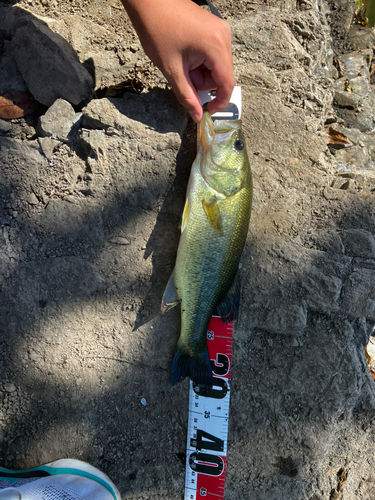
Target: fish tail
(197, 368)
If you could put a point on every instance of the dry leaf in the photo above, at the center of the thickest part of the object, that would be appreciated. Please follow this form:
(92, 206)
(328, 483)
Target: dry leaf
(367, 356)
(337, 139)
(16, 105)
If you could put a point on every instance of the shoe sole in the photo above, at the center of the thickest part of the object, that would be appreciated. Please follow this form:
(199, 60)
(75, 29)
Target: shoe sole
(65, 466)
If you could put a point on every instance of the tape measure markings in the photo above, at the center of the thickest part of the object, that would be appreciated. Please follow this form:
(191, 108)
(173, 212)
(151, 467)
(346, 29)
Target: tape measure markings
(208, 420)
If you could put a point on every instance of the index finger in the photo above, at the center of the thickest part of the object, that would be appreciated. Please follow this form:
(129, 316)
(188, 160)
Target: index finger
(221, 100)
(221, 72)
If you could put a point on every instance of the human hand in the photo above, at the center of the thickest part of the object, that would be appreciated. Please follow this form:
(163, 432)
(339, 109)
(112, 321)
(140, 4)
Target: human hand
(190, 46)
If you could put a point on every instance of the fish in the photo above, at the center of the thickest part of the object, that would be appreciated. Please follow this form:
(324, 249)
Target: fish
(214, 228)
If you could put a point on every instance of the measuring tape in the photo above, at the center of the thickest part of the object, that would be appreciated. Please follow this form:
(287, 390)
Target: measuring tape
(207, 436)
(208, 419)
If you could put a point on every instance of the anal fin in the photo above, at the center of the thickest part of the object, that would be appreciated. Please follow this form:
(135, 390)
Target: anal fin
(228, 307)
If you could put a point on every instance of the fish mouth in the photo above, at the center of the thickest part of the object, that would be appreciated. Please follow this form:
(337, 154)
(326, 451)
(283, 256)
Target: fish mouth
(221, 130)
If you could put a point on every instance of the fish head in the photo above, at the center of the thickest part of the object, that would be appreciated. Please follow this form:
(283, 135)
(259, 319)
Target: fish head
(224, 165)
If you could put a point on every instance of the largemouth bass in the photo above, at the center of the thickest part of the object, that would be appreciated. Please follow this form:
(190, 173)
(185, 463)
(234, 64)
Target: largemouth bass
(214, 227)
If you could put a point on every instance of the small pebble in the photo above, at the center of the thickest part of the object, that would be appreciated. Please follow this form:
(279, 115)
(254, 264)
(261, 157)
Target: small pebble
(9, 387)
(119, 240)
(32, 200)
(4, 127)
(143, 402)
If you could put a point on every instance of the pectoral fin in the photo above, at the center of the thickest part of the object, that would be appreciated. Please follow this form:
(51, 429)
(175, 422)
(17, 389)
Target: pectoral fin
(228, 307)
(213, 214)
(170, 298)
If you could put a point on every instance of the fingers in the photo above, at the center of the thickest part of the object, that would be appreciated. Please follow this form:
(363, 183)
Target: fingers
(220, 64)
(202, 79)
(217, 70)
(187, 96)
(185, 84)
(222, 98)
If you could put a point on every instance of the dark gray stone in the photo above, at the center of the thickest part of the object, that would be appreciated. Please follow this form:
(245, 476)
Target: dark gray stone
(4, 127)
(359, 243)
(287, 319)
(48, 146)
(360, 37)
(360, 85)
(323, 291)
(49, 65)
(354, 157)
(359, 294)
(356, 63)
(363, 121)
(10, 77)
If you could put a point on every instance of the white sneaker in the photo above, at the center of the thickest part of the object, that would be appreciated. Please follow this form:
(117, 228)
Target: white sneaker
(65, 479)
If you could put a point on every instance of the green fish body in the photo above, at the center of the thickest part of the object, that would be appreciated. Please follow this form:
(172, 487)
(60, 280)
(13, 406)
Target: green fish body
(214, 227)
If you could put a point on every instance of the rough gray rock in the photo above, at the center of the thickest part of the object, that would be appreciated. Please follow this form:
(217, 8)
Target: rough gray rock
(58, 121)
(10, 77)
(362, 121)
(361, 37)
(356, 63)
(4, 127)
(353, 158)
(346, 100)
(64, 217)
(359, 243)
(115, 113)
(48, 146)
(359, 291)
(49, 66)
(110, 66)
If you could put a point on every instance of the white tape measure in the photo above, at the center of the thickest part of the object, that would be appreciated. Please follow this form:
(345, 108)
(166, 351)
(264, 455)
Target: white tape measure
(208, 419)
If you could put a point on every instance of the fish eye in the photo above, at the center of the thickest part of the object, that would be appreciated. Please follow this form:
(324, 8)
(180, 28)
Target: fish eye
(239, 145)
